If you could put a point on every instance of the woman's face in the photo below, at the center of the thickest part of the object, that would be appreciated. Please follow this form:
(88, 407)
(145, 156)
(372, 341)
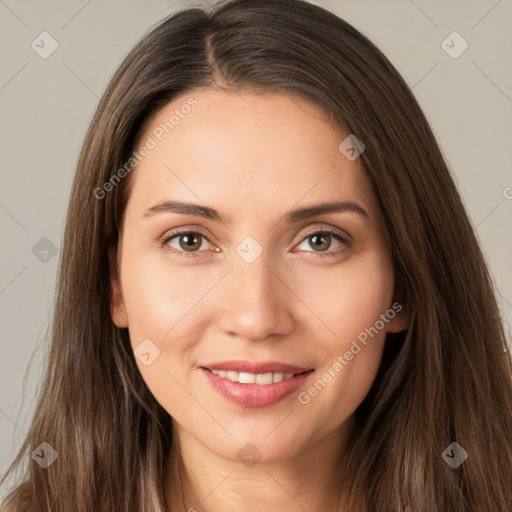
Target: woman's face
(253, 276)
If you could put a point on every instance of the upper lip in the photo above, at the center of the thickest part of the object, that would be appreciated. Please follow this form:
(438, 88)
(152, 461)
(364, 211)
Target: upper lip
(255, 367)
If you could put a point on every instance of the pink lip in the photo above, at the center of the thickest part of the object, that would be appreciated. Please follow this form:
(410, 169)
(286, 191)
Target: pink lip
(254, 367)
(254, 395)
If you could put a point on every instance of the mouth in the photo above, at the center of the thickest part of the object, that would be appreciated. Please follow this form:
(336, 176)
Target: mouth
(265, 385)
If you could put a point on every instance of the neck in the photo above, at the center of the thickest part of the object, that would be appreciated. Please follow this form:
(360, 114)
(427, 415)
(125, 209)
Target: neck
(202, 481)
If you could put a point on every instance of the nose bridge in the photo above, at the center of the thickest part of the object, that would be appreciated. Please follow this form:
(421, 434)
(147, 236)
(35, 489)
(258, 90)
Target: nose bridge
(255, 303)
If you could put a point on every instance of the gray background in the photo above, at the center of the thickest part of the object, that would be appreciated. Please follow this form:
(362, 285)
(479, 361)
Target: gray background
(47, 104)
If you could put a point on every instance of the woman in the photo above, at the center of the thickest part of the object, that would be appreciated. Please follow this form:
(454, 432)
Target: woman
(270, 295)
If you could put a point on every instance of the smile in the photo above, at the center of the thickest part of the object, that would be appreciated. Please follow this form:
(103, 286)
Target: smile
(254, 390)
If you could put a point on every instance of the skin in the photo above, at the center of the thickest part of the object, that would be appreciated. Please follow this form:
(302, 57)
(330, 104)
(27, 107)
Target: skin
(254, 157)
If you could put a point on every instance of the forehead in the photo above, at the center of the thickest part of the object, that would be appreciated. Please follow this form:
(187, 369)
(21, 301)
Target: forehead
(255, 152)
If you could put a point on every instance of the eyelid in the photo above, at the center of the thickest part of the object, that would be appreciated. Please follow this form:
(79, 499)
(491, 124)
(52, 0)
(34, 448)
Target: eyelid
(329, 229)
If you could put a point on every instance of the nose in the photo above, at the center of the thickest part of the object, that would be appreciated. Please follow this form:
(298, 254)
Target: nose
(254, 301)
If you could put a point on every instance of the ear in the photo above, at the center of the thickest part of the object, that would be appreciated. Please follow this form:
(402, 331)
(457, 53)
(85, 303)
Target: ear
(400, 320)
(117, 308)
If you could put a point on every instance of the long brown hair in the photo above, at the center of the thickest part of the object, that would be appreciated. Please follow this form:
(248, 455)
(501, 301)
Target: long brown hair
(447, 379)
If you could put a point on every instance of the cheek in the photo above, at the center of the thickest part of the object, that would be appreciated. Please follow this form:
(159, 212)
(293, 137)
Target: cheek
(158, 295)
(350, 298)
(166, 304)
(350, 354)
(157, 300)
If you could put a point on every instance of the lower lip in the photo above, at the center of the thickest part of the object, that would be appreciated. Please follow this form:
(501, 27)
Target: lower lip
(255, 395)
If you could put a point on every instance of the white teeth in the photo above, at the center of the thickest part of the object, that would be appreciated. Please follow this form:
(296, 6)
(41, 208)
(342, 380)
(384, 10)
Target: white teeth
(232, 375)
(252, 378)
(277, 377)
(264, 378)
(246, 378)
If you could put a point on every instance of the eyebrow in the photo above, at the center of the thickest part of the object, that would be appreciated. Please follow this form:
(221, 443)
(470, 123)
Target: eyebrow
(207, 212)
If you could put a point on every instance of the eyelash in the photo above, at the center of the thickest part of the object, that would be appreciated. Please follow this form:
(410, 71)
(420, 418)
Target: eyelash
(169, 236)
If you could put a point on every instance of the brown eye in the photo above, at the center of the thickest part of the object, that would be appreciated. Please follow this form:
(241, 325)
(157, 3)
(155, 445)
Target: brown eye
(320, 241)
(189, 241)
